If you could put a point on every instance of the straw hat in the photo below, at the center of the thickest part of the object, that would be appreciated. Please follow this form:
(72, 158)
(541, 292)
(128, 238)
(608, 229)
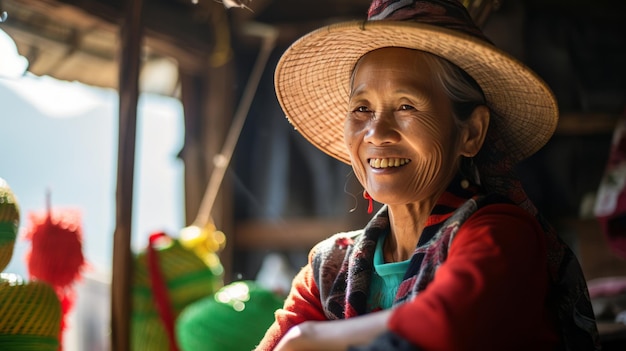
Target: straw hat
(312, 77)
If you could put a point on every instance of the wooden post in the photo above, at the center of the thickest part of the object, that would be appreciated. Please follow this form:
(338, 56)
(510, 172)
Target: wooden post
(131, 39)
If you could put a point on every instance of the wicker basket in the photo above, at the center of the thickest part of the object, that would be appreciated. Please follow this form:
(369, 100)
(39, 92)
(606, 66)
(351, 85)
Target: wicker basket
(9, 223)
(187, 279)
(30, 315)
(235, 318)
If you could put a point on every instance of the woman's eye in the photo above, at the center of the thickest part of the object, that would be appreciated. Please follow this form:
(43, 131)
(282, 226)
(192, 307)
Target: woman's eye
(406, 108)
(361, 113)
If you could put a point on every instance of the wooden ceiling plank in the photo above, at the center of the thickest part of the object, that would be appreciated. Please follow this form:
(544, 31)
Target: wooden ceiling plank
(174, 31)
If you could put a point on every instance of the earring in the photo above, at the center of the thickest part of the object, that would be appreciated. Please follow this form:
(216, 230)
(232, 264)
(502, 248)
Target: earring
(465, 183)
(370, 206)
(468, 172)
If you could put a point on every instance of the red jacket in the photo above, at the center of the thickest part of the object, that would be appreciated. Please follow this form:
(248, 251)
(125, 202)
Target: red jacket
(489, 294)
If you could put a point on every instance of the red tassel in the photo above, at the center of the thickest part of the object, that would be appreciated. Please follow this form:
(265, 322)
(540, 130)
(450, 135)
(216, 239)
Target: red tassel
(370, 206)
(56, 256)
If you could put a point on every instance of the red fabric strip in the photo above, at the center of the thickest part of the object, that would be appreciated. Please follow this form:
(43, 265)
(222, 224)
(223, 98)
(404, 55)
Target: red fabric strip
(159, 288)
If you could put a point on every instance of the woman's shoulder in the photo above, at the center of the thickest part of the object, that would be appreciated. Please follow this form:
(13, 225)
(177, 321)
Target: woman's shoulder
(501, 224)
(504, 212)
(489, 213)
(336, 243)
(327, 257)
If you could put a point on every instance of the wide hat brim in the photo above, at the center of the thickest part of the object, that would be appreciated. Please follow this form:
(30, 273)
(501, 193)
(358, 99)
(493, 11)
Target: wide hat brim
(312, 81)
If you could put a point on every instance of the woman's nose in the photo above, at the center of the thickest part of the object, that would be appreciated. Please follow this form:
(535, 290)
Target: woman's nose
(382, 129)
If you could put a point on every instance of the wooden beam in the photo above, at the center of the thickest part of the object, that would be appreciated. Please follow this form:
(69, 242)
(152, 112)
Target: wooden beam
(586, 123)
(121, 306)
(170, 29)
(288, 234)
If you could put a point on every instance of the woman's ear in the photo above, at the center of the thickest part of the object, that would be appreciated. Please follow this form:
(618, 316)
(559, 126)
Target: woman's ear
(475, 131)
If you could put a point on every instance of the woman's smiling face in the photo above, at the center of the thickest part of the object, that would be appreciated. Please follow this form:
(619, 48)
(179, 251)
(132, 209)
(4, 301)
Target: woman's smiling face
(403, 139)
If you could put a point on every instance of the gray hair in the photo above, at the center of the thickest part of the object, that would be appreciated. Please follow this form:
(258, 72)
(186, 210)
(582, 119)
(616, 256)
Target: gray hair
(459, 86)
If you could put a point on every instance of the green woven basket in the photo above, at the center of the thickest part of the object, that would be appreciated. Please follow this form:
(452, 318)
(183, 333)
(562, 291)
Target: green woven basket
(9, 223)
(30, 315)
(234, 319)
(188, 279)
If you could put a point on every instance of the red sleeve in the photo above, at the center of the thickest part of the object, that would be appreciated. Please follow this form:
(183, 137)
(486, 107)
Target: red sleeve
(302, 304)
(490, 292)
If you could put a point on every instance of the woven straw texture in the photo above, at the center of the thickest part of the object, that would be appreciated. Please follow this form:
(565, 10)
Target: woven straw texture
(9, 223)
(312, 81)
(30, 316)
(234, 319)
(188, 279)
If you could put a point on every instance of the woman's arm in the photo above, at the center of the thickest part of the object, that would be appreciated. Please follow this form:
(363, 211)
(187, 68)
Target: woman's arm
(301, 324)
(303, 304)
(335, 335)
(304, 301)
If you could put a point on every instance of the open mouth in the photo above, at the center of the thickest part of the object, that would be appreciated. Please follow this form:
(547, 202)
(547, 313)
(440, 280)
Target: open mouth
(388, 162)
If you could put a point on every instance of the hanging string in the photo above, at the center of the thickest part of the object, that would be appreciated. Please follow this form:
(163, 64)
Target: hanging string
(345, 190)
(222, 160)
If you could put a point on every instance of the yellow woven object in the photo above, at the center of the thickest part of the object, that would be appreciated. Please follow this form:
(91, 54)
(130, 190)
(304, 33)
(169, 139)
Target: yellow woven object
(205, 242)
(30, 315)
(9, 223)
(188, 279)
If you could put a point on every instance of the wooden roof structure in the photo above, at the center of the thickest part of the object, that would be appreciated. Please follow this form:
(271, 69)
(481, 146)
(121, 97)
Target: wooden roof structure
(191, 44)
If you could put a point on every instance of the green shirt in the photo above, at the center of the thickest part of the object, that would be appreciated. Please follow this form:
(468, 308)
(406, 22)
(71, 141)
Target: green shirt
(385, 280)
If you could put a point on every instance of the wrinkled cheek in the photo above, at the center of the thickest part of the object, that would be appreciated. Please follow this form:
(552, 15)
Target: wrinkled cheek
(429, 169)
(351, 141)
(348, 142)
(360, 174)
(357, 166)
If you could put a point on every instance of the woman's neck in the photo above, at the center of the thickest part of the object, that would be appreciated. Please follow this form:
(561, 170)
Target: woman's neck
(407, 223)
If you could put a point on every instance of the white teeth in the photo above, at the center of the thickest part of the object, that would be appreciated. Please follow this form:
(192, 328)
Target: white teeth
(388, 162)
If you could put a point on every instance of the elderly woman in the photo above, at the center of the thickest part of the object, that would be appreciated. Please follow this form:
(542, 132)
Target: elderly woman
(432, 117)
